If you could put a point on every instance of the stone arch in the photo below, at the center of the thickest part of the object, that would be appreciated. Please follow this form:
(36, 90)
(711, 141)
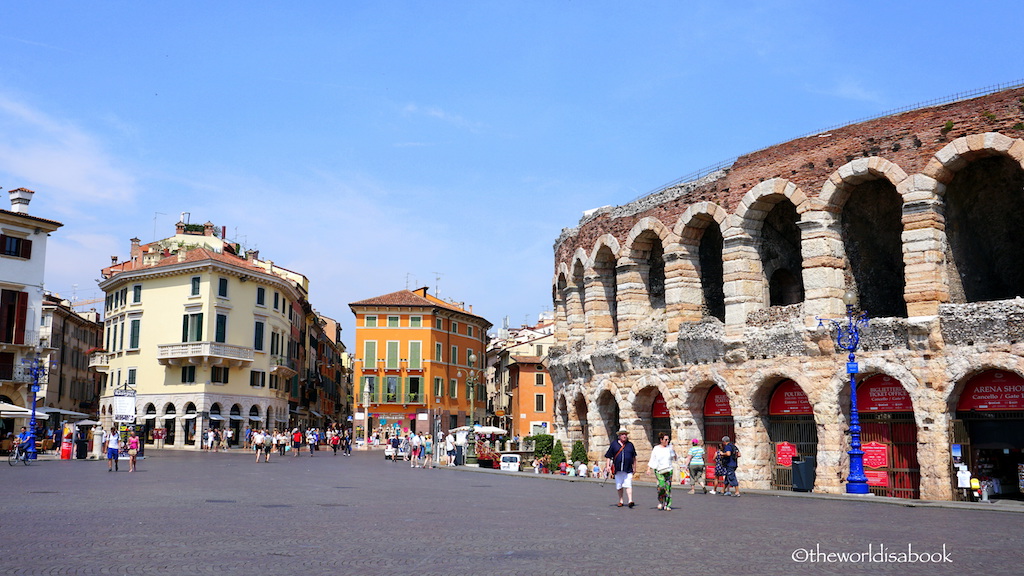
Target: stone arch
(962, 372)
(575, 297)
(770, 213)
(581, 410)
(607, 409)
(856, 239)
(983, 190)
(602, 288)
(644, 270)
(701, 270)
(559, 291)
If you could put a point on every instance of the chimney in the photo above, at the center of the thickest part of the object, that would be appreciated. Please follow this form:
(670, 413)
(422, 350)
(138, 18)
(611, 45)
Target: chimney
(208, 228)
(252, 255)
(179, 228)
(182, 253)
(113, 260)
(136, 252)
(20, 198)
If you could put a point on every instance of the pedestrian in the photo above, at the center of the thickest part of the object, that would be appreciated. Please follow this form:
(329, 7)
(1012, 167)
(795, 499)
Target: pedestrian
(335, 442)
(348, 443)
(396, 443)
(268, 445)
(596, 472)
(729, 456)
(414, 446)
(662, 464)
(281, 440)
(133, 450)
(719, 472)
(621, 456)
(581, 470)
(248, 437)
(113, 443)
(257, 444)
(296, 442)
(311, 440)
(428, 451)
(695, 464)
(449, 448)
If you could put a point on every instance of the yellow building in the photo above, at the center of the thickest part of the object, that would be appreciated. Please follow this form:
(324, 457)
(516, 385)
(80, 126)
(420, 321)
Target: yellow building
(418, 363)
(203, 336)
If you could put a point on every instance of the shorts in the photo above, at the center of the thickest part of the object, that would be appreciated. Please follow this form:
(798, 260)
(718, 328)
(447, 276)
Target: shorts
(259, 447)
(623, 480)
(730, 476)
(111, 453)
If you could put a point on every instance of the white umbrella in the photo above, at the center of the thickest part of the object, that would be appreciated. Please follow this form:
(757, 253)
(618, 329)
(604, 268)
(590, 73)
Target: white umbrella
(488, 430)
(87, 422)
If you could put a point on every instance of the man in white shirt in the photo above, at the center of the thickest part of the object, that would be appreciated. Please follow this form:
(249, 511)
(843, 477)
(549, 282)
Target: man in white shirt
(113, 443)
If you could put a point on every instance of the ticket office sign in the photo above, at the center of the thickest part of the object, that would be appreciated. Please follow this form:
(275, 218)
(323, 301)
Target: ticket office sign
(124, 405)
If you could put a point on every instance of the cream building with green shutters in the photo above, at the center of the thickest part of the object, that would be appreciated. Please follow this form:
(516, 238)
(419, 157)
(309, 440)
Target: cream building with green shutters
(204, 336)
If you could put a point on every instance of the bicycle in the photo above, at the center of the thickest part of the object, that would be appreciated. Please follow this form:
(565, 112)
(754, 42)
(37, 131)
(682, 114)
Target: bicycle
(18, 452)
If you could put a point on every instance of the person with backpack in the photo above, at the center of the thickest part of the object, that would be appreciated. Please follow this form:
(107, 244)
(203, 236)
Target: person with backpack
(730, 455)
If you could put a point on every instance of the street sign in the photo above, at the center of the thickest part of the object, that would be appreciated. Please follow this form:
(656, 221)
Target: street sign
(852, 368)
(124, 405)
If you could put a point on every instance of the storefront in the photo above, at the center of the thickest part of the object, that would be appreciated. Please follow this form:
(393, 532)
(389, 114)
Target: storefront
(718, 422)
(989, 430)
(793, 436)
(888, 438)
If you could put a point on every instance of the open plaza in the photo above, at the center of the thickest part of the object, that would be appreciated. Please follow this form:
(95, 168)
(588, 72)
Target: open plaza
(188, 512)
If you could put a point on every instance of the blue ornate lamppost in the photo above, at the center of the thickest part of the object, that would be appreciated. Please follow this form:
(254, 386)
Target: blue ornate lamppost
(37, 371)
(848, 338)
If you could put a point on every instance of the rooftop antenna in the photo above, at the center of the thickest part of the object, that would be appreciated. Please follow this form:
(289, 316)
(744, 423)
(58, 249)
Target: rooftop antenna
(182, 219)
(437, 283)
(155, 214)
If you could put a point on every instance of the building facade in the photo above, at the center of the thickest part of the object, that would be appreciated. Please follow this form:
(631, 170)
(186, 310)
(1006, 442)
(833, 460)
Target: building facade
(695, 310)
(520, 388)
(72, 387)
(419, 363)
(22, 264)
(207, 338)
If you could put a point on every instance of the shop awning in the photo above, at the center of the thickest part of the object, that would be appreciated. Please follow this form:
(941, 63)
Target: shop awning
(149, 417)
(256, 418)
(217, 417)
(236, 417)
(315, 413)
(191, 416)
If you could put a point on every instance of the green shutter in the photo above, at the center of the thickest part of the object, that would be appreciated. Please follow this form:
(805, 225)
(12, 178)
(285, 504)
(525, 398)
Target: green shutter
(415, 360)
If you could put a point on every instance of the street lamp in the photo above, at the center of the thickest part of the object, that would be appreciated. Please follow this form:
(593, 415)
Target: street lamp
(848, 338)
(366, 413)
(37, 370)
(472, 381)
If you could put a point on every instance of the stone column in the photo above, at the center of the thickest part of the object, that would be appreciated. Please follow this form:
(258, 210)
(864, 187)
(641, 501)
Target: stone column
(924, 246)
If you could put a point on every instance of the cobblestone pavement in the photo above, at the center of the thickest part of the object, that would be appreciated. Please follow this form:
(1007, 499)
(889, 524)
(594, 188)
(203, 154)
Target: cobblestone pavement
(197, 513)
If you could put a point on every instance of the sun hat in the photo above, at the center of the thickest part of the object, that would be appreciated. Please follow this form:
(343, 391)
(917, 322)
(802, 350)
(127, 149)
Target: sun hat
(622, 431)
(696, 441)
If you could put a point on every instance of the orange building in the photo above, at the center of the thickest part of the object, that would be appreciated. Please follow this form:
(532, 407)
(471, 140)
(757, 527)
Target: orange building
(418, 363)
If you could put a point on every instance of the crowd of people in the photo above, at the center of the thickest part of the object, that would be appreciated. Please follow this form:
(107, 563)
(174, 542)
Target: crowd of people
(265, 442)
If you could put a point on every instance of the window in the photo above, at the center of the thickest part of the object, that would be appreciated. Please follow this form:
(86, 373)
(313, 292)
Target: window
(538, 379)
(275, 382)
(370, 355)
(222, 287)
(131, 376)
(257, 379)
(275, 343)
(439, 323)
(133, 337)
(188, 374)
(538, 402)
(453, 388)
(370, 322)
(540, 349)
(415, 393)
(455, 327)
(392, 389)
(258, 335)
(469, 358)
(415, 321)
(277, 300)
(392, 354)
(439, 387)
(120, 343)
(415, 355)
(261, 296)
(192, 328)
(220, 375)
(137, 294)
(393, 322)
(17, 247)
(438, 351)
(455, 355)
(221, 334)
(469, 330)
(195, 285)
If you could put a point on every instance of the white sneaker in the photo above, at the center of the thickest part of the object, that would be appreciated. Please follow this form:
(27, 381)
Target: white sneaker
(711, 492)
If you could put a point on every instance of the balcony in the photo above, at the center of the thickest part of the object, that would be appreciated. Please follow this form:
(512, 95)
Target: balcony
(283, 367)
(99, 361)
(204, 353)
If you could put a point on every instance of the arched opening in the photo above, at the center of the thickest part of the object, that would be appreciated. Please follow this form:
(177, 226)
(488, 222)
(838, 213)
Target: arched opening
(712, 279)
(190, 424)
(718, 422)
(576, 307)
(656, 275)
(216, 420)
(170, 423)
(872, 231)
(148, 423)
(888, 437)
(779, 249)
(661, 420)
(988, 433)
(236, 420)
(793, 436)
(608, 409)
(983, 201)
(604, 267)
(580, 407)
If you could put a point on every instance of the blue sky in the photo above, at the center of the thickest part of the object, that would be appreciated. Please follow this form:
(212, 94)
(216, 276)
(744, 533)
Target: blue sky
(374, 145)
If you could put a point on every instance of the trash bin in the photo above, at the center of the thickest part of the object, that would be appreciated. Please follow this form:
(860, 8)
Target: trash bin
(803, 474)
(81, 449)
(460, 456)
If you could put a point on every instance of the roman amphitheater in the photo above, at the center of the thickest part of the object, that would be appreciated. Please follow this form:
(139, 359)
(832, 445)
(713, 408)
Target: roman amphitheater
(696, 309)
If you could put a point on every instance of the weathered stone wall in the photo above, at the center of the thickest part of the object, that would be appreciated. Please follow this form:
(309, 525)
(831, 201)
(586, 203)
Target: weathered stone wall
(616, 356)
